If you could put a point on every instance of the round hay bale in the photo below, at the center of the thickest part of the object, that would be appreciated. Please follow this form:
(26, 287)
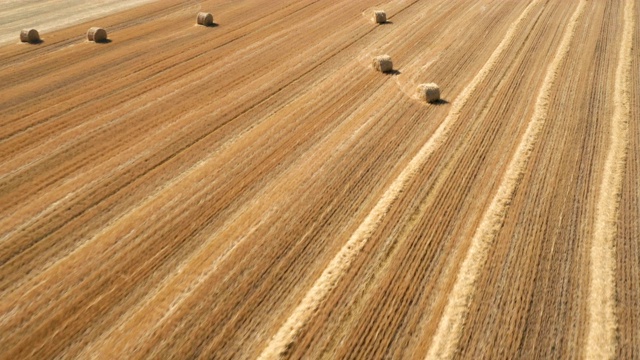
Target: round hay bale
(205, 19)
(29, 36)
(429, 92)
(97, 34)
(379, 16)
(383, 63)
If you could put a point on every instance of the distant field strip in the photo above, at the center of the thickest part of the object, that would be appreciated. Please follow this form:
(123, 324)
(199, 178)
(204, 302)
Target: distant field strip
(446, 339)
(601, 337)
(291, 329)
(50, 15)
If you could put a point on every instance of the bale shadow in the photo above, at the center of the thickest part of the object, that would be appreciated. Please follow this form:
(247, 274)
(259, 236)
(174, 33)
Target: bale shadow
(37, 42)
(386, 23)
(440, 102)
(393, 72)
(212, 25)
(105, 41)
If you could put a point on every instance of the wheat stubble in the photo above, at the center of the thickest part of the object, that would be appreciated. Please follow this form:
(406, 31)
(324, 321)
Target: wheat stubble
(445, 342)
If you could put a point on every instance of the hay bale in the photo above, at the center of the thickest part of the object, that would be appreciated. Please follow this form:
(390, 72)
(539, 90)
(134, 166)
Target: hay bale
(97, 34)
(429, 92)
(30, 36)
(383, 63)
(379, 16)
(205, 19)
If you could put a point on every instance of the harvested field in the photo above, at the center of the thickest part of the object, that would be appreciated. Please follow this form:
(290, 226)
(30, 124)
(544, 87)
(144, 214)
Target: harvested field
(255, 190)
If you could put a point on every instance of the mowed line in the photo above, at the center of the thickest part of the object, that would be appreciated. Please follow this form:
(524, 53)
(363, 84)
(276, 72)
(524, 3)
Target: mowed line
(601, 335)
(293, 326)
(447, 336)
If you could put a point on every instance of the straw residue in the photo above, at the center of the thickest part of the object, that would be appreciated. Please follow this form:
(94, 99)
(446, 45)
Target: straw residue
(283, 341)
(447, 336)
(601, 335)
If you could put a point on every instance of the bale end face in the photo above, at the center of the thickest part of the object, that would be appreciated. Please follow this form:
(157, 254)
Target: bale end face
(30, 36)
(383, 63)
(379, 17)
(97, 34)
(429, 92)
(205, 19)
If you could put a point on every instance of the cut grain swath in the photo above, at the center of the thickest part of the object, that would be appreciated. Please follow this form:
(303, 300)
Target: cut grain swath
(601, 336)
(286, 336)
(447, 336)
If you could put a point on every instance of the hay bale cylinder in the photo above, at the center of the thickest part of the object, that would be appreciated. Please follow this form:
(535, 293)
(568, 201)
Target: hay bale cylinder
(383, 63)
(379, 16)
(97, 34)
(29, 36)
(429, 92)
(205, 19)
